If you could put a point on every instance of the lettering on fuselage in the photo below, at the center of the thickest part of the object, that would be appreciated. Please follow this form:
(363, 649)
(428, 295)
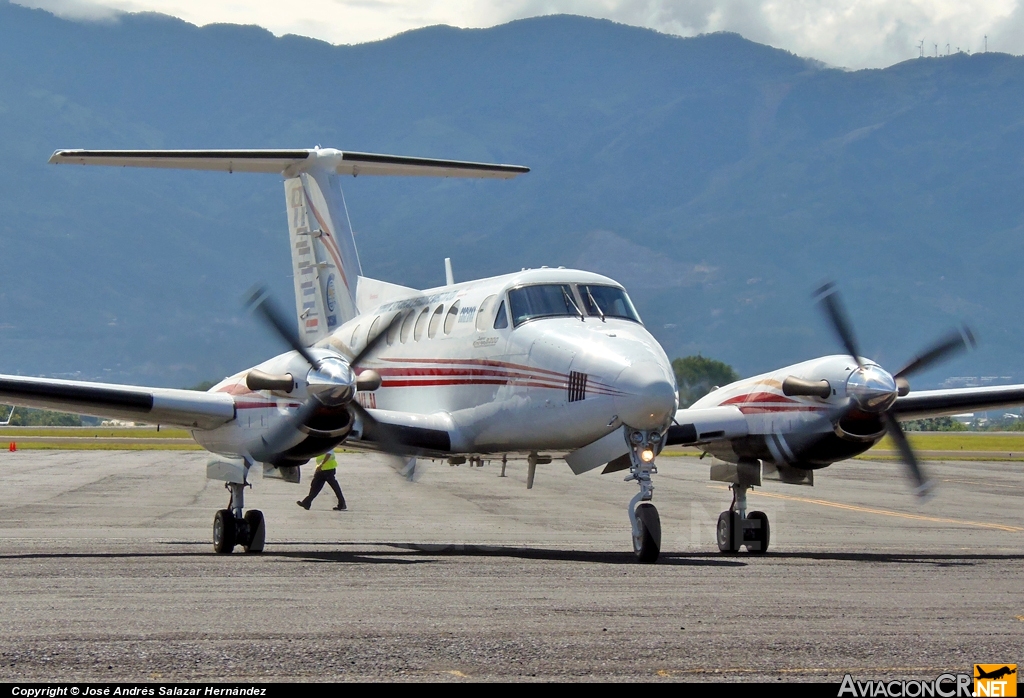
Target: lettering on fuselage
(417, 302)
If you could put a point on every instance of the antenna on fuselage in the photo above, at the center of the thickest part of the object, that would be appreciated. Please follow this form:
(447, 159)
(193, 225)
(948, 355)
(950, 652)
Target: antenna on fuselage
(449, 278)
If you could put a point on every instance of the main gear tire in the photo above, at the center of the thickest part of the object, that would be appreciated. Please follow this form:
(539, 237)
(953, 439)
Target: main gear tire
(257, 531)
(225, 532)
(729, 533)
(760, 534)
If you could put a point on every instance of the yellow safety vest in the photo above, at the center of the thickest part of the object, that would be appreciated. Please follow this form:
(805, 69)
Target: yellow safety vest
(327, 461)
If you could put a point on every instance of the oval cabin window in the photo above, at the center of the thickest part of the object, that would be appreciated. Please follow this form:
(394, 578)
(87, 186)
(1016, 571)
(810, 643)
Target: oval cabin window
(421, 324)
(483, 315)
(435, 321)
(451, 318)
(393, 328)
(374, 329)
(407, 326)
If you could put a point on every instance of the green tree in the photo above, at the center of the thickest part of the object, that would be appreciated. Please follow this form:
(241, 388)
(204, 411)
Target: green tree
(934, 424)
(697, 375)
(25, 417)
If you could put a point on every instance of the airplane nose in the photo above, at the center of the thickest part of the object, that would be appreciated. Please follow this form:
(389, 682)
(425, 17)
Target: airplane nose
(648, 398)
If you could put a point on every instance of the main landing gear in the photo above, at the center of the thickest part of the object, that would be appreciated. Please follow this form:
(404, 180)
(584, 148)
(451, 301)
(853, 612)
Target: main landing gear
(736, 528)
(231, 528)
(643, 517)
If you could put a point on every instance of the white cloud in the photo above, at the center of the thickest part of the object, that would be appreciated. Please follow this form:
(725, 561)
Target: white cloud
(855, 34)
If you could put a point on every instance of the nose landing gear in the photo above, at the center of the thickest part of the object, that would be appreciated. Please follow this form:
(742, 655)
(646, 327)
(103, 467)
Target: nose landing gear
(643, 516)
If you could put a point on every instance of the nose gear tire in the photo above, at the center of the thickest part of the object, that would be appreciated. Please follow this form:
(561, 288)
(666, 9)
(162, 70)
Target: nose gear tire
(648, 547)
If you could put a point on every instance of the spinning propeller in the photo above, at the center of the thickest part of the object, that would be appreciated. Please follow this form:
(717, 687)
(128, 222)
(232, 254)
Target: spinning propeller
(871, 389)
(330, 381)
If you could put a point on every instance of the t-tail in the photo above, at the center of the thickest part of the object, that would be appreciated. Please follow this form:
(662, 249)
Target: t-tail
(324, 257)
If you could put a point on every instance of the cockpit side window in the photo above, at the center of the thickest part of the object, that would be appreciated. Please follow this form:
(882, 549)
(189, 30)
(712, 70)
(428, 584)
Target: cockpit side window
(501, 317)
(607, 301)
(542, 300)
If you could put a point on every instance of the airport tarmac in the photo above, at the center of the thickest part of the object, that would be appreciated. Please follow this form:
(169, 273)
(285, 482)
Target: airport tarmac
(107, 573)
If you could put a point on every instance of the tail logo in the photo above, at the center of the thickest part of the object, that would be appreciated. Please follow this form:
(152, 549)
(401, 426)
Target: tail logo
(331, 300)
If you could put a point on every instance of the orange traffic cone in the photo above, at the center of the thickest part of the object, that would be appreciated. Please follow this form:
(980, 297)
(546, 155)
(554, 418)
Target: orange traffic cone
(13, 447)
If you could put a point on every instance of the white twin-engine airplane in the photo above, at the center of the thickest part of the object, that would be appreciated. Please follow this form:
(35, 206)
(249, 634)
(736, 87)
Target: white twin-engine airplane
(543, 360)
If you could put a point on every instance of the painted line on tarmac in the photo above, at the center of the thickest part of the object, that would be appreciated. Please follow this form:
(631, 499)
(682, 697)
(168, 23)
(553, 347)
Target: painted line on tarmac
(889, 512)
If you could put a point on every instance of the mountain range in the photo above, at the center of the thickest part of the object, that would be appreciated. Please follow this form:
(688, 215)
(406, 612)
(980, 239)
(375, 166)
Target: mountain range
(719, 180)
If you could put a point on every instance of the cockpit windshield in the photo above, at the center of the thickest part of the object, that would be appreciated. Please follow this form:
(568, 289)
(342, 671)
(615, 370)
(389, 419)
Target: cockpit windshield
(607, 301)
(543, 300)
(564, 300)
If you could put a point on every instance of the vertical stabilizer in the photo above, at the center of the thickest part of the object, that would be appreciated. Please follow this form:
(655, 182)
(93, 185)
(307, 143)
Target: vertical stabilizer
(325, 262)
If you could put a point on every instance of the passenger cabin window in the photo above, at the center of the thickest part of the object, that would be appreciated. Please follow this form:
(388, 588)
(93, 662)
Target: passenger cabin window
(435, 321)
(544, 300)
(393, 327)
(501, 317)
(421, 324)
(407, 326)
(607, 301)
(451, 318)
(483, 314)
(374, 329)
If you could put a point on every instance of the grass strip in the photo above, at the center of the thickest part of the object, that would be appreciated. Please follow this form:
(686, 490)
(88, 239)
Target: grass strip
(92, 432)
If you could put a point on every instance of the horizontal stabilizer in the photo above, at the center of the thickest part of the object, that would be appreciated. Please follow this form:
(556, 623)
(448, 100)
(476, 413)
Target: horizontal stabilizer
(289, 162)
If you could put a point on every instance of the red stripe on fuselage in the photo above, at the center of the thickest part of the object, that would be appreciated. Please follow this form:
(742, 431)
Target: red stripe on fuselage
(479, 362)
(759, 397)
(754, 409)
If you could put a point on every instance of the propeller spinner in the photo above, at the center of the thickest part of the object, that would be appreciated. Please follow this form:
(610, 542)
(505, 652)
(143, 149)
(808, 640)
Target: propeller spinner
(330, 381)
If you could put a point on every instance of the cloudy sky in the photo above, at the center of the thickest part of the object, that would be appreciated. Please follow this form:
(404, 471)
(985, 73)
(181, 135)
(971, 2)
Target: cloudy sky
(852, 34)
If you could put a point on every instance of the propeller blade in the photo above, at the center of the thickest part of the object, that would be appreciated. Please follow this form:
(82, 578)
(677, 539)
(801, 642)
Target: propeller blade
(828, 296)
(259, 302)
(922, 485)
(956, 341)
(389, 440)
(276, 439)
(385, 436)
(374, 341)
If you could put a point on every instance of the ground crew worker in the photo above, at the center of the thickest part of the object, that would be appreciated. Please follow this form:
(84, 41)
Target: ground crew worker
(325, 467)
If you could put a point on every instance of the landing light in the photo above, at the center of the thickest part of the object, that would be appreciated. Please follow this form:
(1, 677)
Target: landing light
(647, 455)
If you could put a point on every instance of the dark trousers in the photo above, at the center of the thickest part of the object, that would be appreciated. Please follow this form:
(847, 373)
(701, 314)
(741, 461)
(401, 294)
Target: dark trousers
(319, 478)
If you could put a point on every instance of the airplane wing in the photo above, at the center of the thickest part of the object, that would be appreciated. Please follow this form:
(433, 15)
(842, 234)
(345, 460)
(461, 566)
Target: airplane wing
(403, 432)
(703, 425)
(935, 403)
(289, 162)
(187, 408)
